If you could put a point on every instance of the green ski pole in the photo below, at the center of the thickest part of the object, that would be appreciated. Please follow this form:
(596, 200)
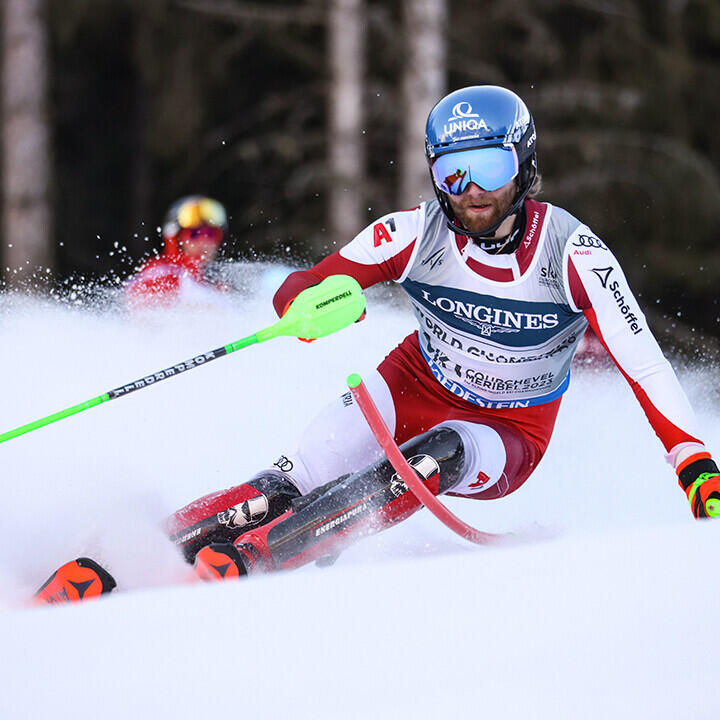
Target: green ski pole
(323, 309)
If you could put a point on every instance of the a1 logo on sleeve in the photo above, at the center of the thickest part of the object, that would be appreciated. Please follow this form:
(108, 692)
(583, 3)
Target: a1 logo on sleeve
(380, 231)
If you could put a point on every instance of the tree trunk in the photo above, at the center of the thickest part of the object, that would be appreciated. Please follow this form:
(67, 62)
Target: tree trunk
(347, 27)
(423, 84)
(145, 55)
(27, 213)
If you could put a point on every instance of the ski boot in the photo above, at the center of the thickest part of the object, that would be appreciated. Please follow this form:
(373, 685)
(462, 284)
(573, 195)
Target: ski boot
(319, 525)
(232, 561)
(222, 516)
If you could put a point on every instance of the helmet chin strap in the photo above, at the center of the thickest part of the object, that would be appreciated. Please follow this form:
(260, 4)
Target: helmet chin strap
(496, 246)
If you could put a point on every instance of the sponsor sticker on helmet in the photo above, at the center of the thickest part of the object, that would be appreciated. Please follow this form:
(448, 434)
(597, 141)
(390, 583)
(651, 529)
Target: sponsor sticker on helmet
(464, 120)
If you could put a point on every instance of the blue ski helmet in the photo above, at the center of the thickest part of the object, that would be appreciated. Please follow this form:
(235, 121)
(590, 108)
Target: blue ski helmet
(481, 117)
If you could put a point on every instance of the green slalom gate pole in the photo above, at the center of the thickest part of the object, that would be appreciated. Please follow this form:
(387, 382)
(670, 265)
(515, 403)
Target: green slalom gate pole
(323, 309)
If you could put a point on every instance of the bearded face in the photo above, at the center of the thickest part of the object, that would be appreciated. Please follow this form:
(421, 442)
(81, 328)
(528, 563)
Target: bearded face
(478, 209)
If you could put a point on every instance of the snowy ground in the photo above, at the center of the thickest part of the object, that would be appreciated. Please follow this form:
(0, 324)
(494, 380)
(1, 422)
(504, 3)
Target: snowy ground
(611, 615)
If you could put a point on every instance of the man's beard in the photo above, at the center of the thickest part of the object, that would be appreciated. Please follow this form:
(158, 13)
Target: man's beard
(499, 206)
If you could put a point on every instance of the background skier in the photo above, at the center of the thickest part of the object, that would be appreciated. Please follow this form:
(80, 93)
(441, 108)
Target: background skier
(193, 230)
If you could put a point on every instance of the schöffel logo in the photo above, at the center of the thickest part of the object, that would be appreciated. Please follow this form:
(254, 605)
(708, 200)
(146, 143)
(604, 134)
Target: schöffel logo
(533, 229)
(492, 320)
(603, 274)
(463, 119)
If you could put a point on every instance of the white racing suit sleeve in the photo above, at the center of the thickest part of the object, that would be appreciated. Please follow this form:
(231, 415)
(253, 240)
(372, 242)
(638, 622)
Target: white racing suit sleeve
(390, 243)
(595, 284)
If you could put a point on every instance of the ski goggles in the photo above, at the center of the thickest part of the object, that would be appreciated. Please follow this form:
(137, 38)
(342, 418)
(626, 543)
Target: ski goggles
(490, 168)
(204, 211)
(206, 233)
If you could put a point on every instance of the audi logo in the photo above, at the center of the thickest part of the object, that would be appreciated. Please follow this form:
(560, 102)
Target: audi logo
(589, 241)
(284, 464)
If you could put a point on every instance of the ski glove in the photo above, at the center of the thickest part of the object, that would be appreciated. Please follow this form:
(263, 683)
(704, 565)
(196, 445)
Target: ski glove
(309, 340)
(700, 479)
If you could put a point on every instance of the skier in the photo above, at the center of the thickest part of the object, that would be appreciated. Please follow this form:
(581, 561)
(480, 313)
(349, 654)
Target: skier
(193, 231)
(503, 287)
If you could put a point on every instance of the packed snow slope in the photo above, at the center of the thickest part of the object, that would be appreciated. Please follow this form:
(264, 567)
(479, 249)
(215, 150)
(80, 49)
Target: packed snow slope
(602, 606)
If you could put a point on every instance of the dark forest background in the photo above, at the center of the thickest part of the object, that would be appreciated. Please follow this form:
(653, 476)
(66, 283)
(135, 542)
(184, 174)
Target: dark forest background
(148, 100)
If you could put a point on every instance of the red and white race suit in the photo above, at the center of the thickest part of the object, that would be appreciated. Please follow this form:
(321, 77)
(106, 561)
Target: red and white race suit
(493, 351)
(169, 279)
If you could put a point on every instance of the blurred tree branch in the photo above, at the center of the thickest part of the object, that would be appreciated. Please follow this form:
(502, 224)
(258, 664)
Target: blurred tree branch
(310, 13)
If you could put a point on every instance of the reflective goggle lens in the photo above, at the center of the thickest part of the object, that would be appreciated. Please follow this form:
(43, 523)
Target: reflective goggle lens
(208, 233)
(490, 168)
(201, 212)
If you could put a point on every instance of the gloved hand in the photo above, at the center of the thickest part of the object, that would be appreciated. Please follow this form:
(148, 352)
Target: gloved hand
(700, 480)
(309, 340)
